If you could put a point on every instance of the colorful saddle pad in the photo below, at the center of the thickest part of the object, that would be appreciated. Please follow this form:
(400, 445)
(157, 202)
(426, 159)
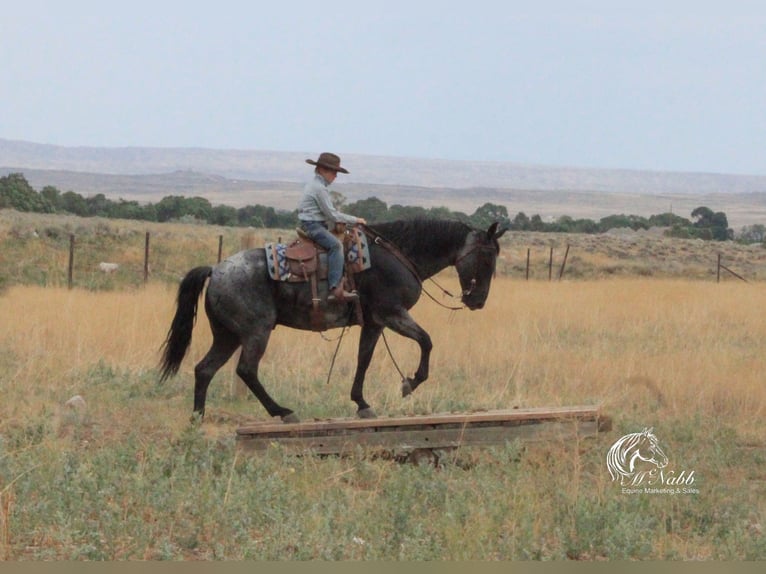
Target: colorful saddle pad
(357, 257)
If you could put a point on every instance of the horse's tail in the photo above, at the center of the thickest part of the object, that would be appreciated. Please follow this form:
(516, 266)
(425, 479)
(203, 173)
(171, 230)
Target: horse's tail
(179, 336)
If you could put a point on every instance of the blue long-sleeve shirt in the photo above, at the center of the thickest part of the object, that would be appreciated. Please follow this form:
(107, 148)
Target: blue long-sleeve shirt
(316, 204)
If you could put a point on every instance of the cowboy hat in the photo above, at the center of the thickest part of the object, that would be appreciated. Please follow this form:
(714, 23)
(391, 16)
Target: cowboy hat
(328, 160)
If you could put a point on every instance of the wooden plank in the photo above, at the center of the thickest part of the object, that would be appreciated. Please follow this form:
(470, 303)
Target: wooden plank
(542, 413)
(411, 440)
(447, 430)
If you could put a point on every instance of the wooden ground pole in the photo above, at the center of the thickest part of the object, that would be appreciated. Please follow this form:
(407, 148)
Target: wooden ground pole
(412, 433)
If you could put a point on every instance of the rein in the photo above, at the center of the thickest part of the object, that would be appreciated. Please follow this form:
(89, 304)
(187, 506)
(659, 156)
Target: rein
(445, 292)
(410, 265)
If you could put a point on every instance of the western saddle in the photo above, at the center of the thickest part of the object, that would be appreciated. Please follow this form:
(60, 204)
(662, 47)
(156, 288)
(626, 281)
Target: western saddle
(303, 262)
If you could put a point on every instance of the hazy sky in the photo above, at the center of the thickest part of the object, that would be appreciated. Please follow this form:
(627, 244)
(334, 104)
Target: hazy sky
(669, 85)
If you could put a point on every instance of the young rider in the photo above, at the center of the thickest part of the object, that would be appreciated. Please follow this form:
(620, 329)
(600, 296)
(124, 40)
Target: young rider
(317, 216)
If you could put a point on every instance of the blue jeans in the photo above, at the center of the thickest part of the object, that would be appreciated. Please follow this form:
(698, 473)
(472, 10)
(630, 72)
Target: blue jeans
(317, 231)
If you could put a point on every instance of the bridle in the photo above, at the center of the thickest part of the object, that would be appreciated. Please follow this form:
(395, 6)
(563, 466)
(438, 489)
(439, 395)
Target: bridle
(410, 265)
(412, 268)
(479, 247)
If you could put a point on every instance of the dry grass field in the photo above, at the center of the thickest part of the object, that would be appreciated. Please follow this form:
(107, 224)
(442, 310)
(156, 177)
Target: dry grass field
(126, 477)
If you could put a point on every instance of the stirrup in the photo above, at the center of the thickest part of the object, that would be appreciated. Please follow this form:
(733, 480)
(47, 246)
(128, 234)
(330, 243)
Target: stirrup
(347, 297)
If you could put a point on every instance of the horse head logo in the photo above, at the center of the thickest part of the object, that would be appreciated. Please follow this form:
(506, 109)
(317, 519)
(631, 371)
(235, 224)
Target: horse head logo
(629, 451)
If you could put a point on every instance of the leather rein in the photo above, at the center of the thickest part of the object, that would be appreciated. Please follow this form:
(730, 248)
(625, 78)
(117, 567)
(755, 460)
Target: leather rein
(410, 265)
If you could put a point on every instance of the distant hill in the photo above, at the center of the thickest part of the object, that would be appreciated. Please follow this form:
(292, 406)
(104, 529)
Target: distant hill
(240, 177)
(288, 166)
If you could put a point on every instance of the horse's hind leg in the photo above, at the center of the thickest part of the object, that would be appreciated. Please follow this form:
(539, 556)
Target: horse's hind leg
(223, 347)
(247, 369)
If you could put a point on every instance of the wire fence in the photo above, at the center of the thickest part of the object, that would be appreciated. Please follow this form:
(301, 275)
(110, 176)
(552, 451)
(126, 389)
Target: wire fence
(555, 266)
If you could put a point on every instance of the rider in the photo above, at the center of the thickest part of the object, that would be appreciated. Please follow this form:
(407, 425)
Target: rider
(317, 215)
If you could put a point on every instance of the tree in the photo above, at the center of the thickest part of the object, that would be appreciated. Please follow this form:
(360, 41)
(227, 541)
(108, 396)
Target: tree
(711, 225)
(16, 192)
(170, 207)
(397, 211)
(372, 209)
(442, 213)
(198, 208)
(562, 224)
(248, 216)
(584, 225)
(223, 215)
(703, 217)
(536, 223)
(124, 209)
(521, 222)
(720, 227)
(634, 222)
(487, 214)
(97, 205)
(755, 233)
(51, 196)
(667, 219)
(74, 203)
(285, 219)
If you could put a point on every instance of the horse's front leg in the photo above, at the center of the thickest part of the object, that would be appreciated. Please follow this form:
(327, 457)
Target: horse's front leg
(367, 341)
(403, 324)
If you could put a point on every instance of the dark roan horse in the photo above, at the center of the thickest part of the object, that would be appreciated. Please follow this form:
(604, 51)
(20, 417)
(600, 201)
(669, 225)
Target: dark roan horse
(243, 304)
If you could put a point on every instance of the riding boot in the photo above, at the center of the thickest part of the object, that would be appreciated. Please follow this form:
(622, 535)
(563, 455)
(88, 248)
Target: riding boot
(340, 295)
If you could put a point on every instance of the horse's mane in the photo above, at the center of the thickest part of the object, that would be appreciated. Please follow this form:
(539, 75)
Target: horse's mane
(430, 236)
(617, 455)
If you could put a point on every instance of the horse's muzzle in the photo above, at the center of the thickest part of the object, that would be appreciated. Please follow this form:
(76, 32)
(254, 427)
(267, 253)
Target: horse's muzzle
(474, 301)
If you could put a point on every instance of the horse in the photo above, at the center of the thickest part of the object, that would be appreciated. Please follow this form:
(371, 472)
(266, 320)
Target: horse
(243, 304)
(623, 455)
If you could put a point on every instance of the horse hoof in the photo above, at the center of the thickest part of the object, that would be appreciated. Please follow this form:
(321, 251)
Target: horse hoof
(367, 413)
(291, 418)
(406, 388)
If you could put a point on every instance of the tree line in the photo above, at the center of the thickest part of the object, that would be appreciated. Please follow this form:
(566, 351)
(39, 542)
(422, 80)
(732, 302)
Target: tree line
(17, 193)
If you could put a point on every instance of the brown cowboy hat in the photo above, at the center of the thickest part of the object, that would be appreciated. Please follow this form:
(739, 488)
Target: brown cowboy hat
(329, 161)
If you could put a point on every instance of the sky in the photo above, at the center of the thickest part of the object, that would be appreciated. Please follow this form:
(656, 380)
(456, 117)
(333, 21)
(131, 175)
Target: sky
(659, 85)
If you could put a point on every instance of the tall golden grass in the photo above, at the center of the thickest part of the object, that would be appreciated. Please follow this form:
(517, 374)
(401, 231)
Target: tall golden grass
(136, 481)
(657, 344)
(643, 348)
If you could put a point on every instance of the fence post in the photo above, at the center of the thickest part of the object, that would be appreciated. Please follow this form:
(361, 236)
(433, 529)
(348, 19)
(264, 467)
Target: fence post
(70, 272)
(527, 263)
(220, 247)
(564, 263)
(146, 259)
(550, 265)
(718, 270)
(722, 266)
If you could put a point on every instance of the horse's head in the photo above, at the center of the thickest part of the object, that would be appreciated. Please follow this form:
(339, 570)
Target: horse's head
(649, 450)
(632, 449)
(475, 264)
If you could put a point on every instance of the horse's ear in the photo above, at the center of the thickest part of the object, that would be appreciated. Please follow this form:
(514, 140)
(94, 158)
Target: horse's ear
(493, 233)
